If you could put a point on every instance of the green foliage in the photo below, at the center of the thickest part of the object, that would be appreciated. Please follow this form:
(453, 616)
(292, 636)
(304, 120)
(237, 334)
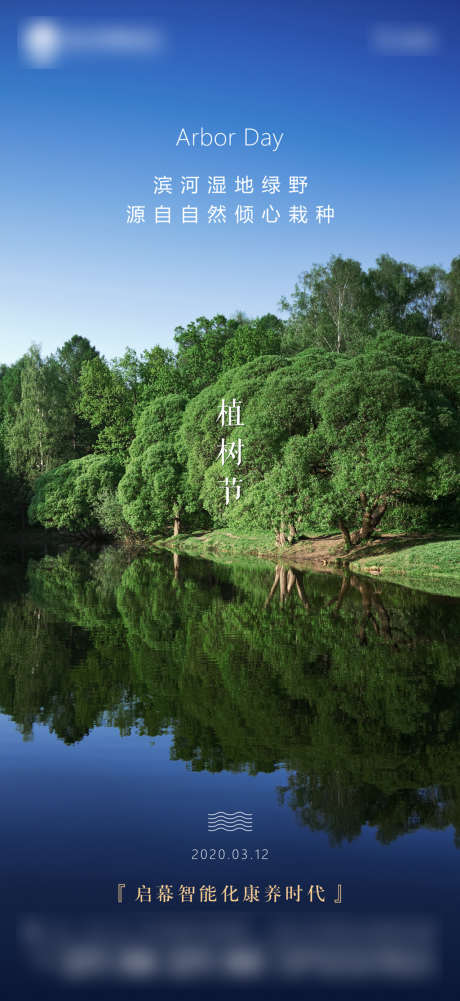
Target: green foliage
(342, 422)
(107, 401)
(199, 437)
(403, 296)
(70, 359)
(39, 426)
(385, 436)
(37, 434)
(109, 514)
(251, 339)
(208, 347)
(437, 561)
(329, 308)
(160, 374)
(10, 387)
(200, 347)
(338, 441)
(340, 307)
(449, 304)
(152, 490)
(73, 497)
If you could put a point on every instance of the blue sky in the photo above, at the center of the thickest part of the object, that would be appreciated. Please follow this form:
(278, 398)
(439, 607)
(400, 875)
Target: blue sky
(371, 122)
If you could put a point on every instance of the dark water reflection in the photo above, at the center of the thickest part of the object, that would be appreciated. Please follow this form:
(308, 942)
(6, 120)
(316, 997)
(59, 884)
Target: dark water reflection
(351, 685)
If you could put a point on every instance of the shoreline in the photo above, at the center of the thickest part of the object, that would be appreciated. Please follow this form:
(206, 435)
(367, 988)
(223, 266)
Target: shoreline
(429, 562)
(426, 561)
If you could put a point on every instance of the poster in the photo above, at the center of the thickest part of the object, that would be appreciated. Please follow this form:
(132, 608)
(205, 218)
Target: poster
(229, 510)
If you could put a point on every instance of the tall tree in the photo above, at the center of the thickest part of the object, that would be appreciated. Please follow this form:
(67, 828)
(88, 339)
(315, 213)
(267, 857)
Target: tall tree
(153, 490)
(160, 374)
(71, 496)
(329, 308)
(384, 436)
(200, 350)
(405, 298)
(37, 437)
(71, 357)
(450, 304)
(108, 397)
(252, 338)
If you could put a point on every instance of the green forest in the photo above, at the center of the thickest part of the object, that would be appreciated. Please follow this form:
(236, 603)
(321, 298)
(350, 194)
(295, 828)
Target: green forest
(349, 403)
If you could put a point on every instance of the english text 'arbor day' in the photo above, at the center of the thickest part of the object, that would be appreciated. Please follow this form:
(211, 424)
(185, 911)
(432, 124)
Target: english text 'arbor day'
(246, 137)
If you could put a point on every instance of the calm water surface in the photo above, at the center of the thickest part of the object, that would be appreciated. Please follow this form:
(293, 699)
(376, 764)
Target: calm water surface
(138, 695)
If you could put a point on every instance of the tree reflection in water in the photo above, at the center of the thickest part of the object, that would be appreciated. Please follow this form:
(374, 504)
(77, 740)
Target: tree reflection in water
(350, 684)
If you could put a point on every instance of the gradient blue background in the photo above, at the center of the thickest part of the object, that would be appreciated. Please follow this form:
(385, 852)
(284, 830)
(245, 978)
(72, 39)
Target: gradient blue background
(377, 134)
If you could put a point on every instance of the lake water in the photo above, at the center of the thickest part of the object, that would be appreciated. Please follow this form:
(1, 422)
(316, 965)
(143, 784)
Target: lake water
(140, 695)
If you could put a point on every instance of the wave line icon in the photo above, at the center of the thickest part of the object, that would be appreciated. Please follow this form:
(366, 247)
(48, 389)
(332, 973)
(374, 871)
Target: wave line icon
(237, 821)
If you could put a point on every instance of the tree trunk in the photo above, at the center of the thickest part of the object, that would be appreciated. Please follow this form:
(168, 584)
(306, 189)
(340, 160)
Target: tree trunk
(345, 532)
(176, 526)
(366, 526)
(344, 588)
(283, 583)
(292, 532)
(371, 519)
(301, 593)
(281, 536)
(274, 585)
(176, 565)
(366, 596)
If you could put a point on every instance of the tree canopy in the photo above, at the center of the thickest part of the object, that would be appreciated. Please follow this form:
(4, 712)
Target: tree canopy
(350, 415)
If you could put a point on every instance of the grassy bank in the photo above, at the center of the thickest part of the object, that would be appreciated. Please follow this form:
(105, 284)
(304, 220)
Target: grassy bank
(417, 561)
(430, 565)
(222, 541)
